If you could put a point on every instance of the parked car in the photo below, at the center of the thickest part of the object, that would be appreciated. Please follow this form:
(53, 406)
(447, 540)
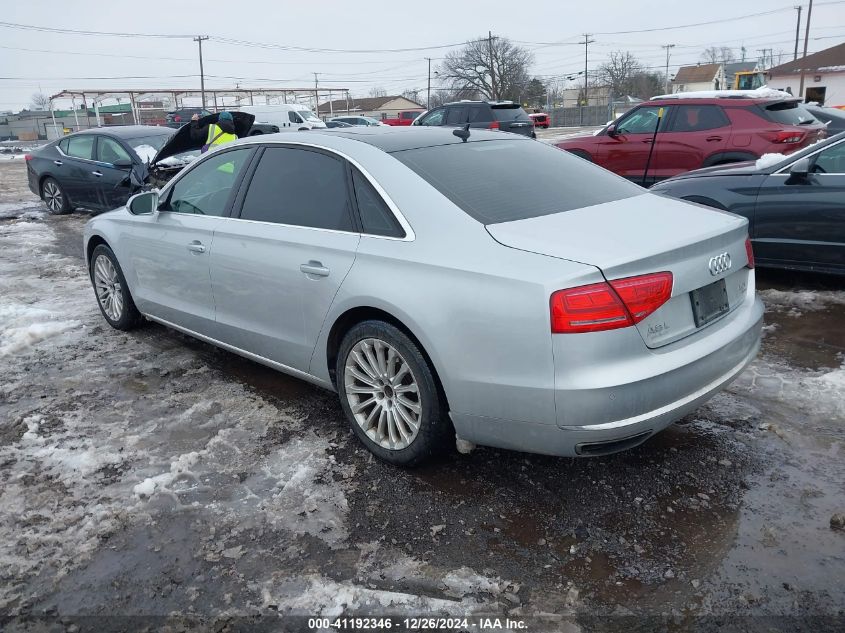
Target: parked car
(405, 117)
(834, 118)
(795, 205)
(97, 169)
(697, 131)
(178, 118)
(556, 308)
(263, 128)
(492, 115)
(286, 117)
(335, 124)
(100, 169)
(365, 121)
(541, 119)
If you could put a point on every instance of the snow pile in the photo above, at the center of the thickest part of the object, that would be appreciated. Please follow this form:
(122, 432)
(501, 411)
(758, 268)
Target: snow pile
(831, 69)
(146, 152)
(806, 300)
(769, 160)
(764, 92)
(464, 581)
(23, 326)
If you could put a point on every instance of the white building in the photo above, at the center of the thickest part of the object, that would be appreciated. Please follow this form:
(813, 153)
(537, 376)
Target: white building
(824, 77)
(699, 77)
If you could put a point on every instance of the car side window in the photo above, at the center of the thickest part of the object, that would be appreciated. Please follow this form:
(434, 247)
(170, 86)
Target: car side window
(81, 146)
(63, 144)
(480, 114)
(293, 117)
(433, 118)
(643, 120)
(109, 151)
(205, 189)
(831, 160)
(456, 115)
(301, 188)
(697, 118)
(376, 216)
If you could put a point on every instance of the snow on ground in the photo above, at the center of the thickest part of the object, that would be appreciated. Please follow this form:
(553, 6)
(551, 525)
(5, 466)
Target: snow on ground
(799, 300)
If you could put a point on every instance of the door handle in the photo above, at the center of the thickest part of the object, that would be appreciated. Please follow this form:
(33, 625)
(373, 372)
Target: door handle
(314, 268)
(58, 163)
(713, 138)
(196, 247)
(97, 173)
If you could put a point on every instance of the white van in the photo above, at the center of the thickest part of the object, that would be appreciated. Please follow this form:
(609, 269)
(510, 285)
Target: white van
(287, 116)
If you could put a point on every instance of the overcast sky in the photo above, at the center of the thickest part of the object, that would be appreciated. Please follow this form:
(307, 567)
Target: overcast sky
(57, 61)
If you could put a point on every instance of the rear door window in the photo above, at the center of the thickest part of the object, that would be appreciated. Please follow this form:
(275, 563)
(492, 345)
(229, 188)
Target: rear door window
(480, 114)
(301, 188)
(81, 146)
(697, 118)
(456, 115)
(504, 180)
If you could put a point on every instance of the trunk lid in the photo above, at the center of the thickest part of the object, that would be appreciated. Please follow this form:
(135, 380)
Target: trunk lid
(641, 235)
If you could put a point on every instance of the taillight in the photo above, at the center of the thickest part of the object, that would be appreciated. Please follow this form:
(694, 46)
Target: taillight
(787, 136)
(750, 252)
(608, 306)
(493, 126)
(27, 157)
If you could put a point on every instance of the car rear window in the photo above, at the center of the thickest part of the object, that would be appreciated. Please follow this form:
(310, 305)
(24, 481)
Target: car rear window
(505, 180)
(510, 112)
(789, 113)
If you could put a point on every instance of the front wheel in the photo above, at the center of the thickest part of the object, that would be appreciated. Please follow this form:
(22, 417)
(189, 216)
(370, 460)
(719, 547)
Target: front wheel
(116, 304)
(390, 395)
(54, 196)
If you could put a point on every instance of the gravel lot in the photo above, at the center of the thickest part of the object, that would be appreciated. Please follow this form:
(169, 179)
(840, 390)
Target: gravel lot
(148, 474)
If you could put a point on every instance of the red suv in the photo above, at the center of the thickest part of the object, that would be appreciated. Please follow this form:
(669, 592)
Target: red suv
(697, 132)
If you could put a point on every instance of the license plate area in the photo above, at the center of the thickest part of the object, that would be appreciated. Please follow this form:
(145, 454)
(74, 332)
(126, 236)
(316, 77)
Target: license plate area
(709, 302)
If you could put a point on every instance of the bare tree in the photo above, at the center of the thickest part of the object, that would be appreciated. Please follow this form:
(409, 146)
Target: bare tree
(412, 94)
(40, 101)
(495, 69)
(619, 71)
(717, 55)
(378, 92)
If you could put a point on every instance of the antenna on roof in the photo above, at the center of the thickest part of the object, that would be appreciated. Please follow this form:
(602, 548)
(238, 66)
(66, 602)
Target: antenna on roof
(462, 133)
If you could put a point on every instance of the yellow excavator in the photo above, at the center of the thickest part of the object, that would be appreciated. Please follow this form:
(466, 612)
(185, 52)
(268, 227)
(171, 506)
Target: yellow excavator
(749, 80)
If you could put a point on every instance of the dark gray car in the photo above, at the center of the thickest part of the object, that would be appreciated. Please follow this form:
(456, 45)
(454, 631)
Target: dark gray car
(794, 204)
(833, 117)
(492, 115)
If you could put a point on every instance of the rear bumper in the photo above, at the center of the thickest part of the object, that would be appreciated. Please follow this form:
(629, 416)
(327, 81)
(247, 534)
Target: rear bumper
(603, 409)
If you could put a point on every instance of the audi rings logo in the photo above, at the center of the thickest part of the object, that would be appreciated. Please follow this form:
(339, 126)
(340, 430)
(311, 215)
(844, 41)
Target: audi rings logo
(719, 264)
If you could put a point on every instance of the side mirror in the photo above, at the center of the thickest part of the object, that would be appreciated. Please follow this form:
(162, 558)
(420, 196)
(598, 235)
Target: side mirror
(612, 131)
(122, 163)
(144, 203)
(800, 169)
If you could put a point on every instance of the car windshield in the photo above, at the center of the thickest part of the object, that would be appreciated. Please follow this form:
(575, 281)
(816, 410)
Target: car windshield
(147, 146)
(790, 113)
(308, 115)
(501, 181)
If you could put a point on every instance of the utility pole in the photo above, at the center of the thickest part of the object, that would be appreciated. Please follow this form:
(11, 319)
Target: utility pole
(667, 47)
(199, 40)
(316, 97)
(587, 42)
(797, 30)
(806, 41)
(492, 66)
(428, 97)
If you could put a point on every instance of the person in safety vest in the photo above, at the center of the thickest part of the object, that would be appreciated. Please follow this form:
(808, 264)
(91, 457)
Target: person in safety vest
(214, 134)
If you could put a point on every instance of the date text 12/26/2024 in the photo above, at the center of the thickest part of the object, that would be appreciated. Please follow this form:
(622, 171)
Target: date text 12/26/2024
(417, 624)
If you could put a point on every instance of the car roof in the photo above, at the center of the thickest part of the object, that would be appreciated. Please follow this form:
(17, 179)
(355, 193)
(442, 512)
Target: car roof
(129, 131)
(389, 139)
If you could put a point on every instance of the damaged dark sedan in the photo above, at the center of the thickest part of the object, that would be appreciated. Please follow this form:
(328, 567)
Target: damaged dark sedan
(101, 168)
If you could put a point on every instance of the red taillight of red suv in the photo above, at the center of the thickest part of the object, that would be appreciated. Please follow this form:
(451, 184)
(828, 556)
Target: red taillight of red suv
(786, 136)
(493, 126)
(27, 157)
(749, 250)
(609, 305)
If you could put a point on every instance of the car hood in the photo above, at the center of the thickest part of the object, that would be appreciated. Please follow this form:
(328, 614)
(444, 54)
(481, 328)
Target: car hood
(182, 142)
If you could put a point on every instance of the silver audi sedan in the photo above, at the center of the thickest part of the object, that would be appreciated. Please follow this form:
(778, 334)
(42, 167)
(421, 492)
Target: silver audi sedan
(480, 285)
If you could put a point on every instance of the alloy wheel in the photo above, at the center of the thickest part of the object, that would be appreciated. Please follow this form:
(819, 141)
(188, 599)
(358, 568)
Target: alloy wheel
(108, 288)
(383, 394)
(53, 196)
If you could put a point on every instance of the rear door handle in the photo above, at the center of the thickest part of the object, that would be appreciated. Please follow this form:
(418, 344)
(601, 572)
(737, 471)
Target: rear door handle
(58, 163)
(196, 247)
(314, 268)
(97, 173)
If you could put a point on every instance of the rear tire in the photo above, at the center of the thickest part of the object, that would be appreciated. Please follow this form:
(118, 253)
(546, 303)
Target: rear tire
(113, 298)
(390, 395)
(54, 197)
